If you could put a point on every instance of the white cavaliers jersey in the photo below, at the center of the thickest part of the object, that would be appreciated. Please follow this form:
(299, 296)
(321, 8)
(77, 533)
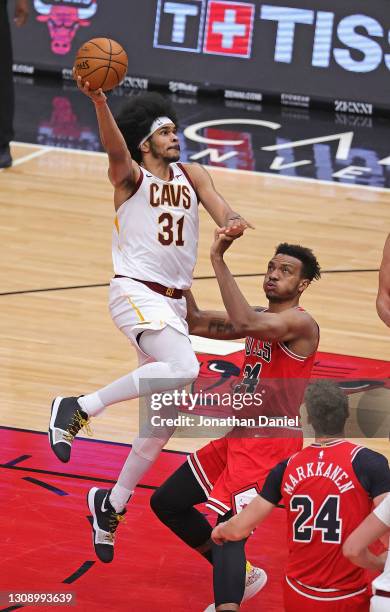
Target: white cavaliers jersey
(155, 236)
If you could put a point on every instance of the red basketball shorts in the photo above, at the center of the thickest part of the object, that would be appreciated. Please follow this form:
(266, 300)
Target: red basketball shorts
(232, 471)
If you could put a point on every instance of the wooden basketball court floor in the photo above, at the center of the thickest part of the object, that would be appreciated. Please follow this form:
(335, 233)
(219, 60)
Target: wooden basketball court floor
(56, 335)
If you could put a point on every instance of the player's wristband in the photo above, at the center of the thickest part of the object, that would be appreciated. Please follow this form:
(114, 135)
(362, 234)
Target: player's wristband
(233, 218)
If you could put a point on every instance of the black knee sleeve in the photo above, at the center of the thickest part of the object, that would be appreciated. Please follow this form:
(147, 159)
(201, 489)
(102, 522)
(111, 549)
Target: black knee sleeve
(173, 504)
(229, 574)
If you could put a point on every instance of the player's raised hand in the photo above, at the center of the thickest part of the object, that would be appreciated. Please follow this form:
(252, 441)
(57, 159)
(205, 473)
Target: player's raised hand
(96, 96)
(221, 244)
(235, 227)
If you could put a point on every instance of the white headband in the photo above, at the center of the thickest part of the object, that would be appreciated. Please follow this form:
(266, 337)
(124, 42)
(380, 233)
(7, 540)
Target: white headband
(156, 125)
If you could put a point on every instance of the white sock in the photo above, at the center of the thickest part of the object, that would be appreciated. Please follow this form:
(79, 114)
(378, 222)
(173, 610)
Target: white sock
(175, 366)
(131, 473)
(140, 459)
(91, 404)
(119, 497)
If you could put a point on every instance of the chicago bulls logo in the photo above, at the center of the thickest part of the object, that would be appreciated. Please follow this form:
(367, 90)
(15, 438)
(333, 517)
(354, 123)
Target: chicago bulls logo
(63, 21)
(216, 377)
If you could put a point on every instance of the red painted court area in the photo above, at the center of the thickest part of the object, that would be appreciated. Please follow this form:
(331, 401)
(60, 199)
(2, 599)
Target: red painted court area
(47, 543)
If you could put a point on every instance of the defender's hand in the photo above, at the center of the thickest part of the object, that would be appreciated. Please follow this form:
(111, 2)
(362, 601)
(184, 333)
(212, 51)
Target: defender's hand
(97, 96)
(220, 245)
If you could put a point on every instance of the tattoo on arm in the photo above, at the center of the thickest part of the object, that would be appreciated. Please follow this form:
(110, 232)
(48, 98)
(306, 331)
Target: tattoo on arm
(220, 327)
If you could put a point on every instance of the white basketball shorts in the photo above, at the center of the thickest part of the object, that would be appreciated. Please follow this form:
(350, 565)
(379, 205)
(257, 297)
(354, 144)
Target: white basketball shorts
(135, 308)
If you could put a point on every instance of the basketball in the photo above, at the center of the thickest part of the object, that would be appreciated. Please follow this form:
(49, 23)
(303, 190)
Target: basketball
(102, 62)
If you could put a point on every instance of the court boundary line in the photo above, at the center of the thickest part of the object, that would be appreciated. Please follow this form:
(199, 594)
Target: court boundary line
(82, 476)
(91, 440)
(304, 179)
(84, 567)
(69, 475)
(45, 485)
(27, 158)
(200, 278)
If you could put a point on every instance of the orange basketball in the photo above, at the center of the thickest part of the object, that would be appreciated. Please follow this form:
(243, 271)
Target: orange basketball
(102, 62)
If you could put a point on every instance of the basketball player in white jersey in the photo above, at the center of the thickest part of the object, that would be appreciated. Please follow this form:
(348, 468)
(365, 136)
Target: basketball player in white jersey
(155, 238)
(376, 525)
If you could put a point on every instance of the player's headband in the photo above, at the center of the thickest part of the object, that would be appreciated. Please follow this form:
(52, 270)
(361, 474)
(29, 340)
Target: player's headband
(156, 125)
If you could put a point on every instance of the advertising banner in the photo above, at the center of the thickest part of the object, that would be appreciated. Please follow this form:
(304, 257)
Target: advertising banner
(295, 51)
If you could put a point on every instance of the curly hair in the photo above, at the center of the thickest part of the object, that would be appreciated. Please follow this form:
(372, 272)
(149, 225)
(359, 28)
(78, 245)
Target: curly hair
(310, 265)
(327, 407)
(137, 115)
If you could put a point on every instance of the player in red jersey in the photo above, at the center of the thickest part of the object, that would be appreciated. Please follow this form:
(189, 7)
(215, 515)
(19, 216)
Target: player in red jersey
(281, 344)
(327, 489)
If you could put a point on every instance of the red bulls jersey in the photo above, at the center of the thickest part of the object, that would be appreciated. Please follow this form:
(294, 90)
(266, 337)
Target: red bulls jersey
(278, 374)
(325, 502)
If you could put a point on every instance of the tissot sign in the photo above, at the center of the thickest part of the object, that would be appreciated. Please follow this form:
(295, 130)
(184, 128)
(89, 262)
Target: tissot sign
(353, 41)
(315, 48)
(295, 49)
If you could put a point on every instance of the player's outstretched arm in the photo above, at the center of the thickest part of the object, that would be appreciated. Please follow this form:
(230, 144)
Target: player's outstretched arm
(241, 525)
(123, 172)
(383, 299)
(284, 326)
(229, 221)
(209, 323)
(355, 547)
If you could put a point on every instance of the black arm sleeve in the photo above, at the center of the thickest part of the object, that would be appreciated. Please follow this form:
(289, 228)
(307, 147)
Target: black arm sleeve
(271, 490)
(372, 471)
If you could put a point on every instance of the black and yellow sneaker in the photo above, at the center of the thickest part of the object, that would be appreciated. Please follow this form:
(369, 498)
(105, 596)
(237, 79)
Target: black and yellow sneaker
(105, 522)
(67, 418)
